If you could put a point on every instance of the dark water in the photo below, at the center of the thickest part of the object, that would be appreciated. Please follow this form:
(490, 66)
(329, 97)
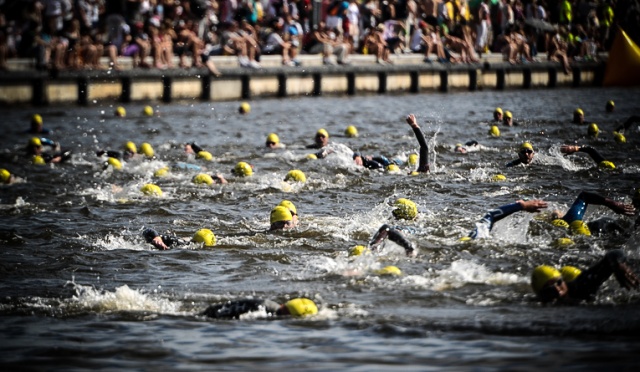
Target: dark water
(80, 289)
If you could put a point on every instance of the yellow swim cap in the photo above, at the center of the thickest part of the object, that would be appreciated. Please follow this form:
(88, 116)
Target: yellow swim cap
(498, 110)
(243, 169)
(351, 131)
(203, 178)
(563, 243)
(578, 227)
(499, 177)
(389, 270)
(5, 175)
(393, 168)
(296, 175)
(205, 236)
(312, 157)
(206, 155)
(301, 307)
(35, 142)
(593, 130)
(244, 108)
(147, 150)
(494, 131)
(507, 114)
(465, 239)
(36, 119)
(323, 132)
(121, 112)
(578, 111)
(272, 137)
(115, 163)
(161, 172)
(289, 205)
(358, 250)
(526, 146)
(619, 137)
(606, 164)
(560, 223)
(414, 173)
(38, 160)
(279, 214)
(151, 190)
(131, 147)
(610, 106)
(541, 275)
(147, 111)
(405, 209)
(413, 159)
(570, 273)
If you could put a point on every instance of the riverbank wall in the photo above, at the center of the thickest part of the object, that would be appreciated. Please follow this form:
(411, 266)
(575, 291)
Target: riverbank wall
(407, 75)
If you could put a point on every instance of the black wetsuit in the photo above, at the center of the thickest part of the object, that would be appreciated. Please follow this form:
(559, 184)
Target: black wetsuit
(169, 240)
(125, 155)
(48, 157)
(579, 207)
(585, 286)
(392, 233)
(633, 119)
(233, 309)
(595, 155)
(375, 162)
(423, 165)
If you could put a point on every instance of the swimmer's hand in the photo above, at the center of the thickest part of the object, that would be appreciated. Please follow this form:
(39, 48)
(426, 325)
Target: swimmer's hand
(621, 208)
(158, 243)
(532, 205)
(626, 277)
(569, 149)
(411, 120)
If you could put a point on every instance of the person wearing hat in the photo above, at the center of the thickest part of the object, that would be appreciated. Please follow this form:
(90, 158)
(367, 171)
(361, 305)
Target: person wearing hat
(395, 235)
(6, 177)
(468, 147)
(578, 116)
(297, 307)
(593, 153)
(129, 151)
(320, 140)
(34, 149)
(281, 218)
(273, 142)
(37, 126)
(292, 209)
(498, 114)
(610, 106)
(508, 119)
(484, 226)
(574, 285)
(573, 218)
(525, 155)
(371, 162)
(168, 241)
(423, 164)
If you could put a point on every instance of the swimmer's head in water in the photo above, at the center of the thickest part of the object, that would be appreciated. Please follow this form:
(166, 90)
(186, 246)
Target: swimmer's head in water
(272, 140)
(405, 209)
(5, 176)
(301, 307)
(244, 108)
(147, 150)
(120, 112)
(205, 236)
(203, 179)
(494, 131)
(35, 142)
(37, 160)
(570, 273)
(147, 111)
(205, 155)
(619, 137)
(131, 147)
(578, 227)
(389, 270)
(290, 206)
(413, 159)
(322, 137)
(36, 121)
(351, 131)
(593, 130)
(578, 116)
(610, 106)
(606, 164)
(280, 214)
(115, 163)
(296, 175)
(243, 169)
(560, 223)
(151, 190)
(497, 113)
(525, 153)
(358, 250)
(544, 280)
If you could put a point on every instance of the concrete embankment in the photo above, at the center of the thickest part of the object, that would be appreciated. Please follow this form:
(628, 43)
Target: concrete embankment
(407, 75)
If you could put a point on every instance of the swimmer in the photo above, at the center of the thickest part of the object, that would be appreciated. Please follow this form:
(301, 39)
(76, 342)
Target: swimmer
(423, 165)
(468, 147)
(281, 218)
(6, 177)
(34, 149)
(593, 153)
(168, 241)
(525, 155)
(483, 228)
(632, 120)
(573, 285)
(193, 149)
(497, 114)
(273, 142)
(320, 140)
(297, 307)
(395, 235)
(578, 116)
(37, 126)
(610, 106)
(128, 152)
(371, 162)
(292, 209)
(573, 219)
(508, 119)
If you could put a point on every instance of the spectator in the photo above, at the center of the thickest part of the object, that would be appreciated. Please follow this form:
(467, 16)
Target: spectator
(375, 44)
(325, 41)
(275, 44)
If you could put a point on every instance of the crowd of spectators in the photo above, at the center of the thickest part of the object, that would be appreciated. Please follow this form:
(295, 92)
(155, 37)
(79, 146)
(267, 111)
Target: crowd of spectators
(75, 34)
